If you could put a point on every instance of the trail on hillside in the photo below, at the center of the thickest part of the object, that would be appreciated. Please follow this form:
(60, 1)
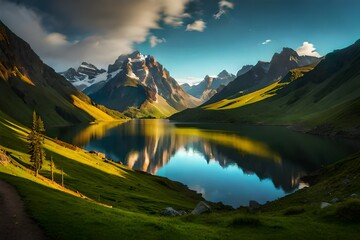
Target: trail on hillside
(15, 224)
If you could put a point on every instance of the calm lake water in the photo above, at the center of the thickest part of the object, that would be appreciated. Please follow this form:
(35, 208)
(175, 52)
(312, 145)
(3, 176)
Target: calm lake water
(224, 162)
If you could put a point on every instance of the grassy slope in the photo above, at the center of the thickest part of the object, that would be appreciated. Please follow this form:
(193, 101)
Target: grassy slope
(27, 84)
(228, 109)
(309, 106)
(91, 110)
(137, 198)
(159, 109)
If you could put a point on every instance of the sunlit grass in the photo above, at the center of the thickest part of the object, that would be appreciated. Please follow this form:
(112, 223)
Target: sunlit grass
(137, 199)
(23, 77)
(246, 99)
(94, 112)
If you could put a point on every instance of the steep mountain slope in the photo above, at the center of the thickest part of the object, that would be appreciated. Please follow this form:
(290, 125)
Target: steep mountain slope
(244, 70)
(27, 84)
(185, 86)
(208, 87)
(325, 100)
(143, 84)
(264, 74)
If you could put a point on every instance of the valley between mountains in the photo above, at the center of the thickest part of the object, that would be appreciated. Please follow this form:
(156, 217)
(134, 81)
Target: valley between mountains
(124, 146)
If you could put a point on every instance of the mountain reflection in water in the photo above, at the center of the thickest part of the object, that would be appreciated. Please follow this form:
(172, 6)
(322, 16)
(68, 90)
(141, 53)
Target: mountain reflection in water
(249, 163)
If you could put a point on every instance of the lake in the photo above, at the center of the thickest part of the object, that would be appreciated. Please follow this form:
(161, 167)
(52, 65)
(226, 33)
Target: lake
(224, 162)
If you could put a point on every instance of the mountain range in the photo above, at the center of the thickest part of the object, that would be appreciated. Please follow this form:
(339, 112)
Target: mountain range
(264, 73)
(209, 86)
(320, 95)
(135, 84)
(321, 98)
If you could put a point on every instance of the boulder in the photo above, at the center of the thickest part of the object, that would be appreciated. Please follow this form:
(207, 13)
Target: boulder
(169, 211)
(254, 206)
(335, 200)
(354, 195)
(324, 204)
(182, 212)
(346, 181)
(201, 208)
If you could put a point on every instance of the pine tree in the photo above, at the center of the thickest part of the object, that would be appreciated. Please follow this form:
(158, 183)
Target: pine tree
(36, 143)
(41, 139)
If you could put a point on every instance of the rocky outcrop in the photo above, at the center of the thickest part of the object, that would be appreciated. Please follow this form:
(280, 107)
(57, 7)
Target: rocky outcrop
(201, 208)
(169, 211)
(254, 206)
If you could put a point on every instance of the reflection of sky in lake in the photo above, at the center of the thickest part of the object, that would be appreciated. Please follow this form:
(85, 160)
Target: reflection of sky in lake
(228, 163)
(230, 184)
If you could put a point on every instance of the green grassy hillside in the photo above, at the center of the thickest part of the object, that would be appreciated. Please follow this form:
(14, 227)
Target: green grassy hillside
(105, 200)
(27, 84)
(325, 100)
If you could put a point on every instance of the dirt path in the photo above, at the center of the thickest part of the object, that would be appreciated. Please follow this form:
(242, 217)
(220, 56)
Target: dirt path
(15, 224)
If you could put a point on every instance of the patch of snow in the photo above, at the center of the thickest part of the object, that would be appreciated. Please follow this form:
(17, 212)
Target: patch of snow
(113, 74)
(85, 81)
(84, 66)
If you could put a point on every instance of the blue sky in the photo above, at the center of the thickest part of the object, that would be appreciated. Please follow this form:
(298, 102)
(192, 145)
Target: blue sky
(186, 36)
(236, 38)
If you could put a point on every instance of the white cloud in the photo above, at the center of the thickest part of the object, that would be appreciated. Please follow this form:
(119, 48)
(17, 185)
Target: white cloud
(109, 28)
(266, 42)
(173, 21)
(198, 25)
(307, 49)
(190, 80)
(186, 15)
(153, 40)
(224, 6)
(56, 39)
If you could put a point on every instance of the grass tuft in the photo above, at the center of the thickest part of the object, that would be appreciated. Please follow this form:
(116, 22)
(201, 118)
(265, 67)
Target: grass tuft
(294, 211)
(348, 211)
(245, 221)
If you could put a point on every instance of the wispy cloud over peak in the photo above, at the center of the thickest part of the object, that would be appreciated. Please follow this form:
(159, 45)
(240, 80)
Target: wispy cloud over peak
(307, 49)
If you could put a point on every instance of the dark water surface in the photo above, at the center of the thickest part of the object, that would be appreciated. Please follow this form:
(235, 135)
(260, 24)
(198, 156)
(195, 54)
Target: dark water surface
(224, 162)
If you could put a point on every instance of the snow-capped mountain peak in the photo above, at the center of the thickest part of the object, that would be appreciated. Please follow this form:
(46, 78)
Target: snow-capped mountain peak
(86, 75)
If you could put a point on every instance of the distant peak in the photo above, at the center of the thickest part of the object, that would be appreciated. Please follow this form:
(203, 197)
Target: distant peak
(223, 73)
(207, 77)
(261, 64)
(288, 51)
(244, 69)
(71, 70)
(135, 54)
